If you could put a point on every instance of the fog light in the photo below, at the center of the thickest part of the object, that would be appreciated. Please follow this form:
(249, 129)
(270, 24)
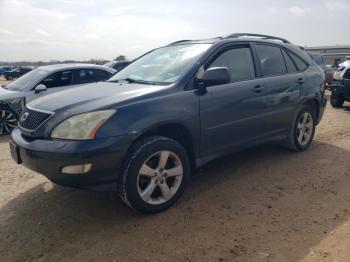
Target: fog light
(76, 169)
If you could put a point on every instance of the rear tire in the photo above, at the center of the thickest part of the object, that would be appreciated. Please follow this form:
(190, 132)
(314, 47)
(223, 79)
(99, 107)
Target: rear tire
(302, 130)
(155, 174)
(336, 100)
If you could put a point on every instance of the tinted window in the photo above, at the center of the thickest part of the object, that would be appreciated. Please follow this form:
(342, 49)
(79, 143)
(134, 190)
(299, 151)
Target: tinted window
(63, 78)
(272, 61)
(101, 75)
(291, 68)
(239, 62)
(301, 65)
(87, 76)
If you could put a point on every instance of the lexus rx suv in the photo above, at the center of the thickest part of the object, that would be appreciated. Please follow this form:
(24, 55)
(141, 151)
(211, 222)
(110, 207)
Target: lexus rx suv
(172, 110)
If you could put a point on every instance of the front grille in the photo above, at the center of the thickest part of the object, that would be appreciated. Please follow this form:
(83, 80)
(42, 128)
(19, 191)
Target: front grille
(32, 119)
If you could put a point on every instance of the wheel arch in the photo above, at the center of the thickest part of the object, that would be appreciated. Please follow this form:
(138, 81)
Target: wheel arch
(315, 104)
(176, 131)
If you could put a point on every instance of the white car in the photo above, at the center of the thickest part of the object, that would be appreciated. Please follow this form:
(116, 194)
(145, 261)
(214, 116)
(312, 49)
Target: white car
(342, 72)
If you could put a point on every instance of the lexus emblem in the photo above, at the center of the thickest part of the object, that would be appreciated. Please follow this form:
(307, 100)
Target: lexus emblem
(24, 117)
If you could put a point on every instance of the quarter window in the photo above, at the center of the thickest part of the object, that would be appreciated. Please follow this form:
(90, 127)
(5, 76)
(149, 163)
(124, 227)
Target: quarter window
(272, 61)
(291, 68)
(301, 65)
(239, 62)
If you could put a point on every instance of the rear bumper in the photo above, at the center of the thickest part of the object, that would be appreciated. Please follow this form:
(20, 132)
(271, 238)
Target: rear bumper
(48, 157)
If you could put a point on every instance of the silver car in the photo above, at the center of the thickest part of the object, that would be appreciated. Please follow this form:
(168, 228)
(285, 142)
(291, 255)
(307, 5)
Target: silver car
(42, 81)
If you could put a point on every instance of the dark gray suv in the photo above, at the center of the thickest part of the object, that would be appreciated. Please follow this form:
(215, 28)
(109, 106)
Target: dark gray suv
(172, 110)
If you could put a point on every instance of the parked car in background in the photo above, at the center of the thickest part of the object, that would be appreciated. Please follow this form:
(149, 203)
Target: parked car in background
(340, 93)
(16, 73)
(4, 69)
(172, 110)
(343, 72)
(318, 58)
(117, 65)
(43, 81)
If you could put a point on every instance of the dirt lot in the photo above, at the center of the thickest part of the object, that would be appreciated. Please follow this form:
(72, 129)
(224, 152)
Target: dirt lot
(265, 204)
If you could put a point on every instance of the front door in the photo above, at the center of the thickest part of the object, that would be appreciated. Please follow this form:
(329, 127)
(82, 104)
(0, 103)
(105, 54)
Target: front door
(55, 82)
(233, 114)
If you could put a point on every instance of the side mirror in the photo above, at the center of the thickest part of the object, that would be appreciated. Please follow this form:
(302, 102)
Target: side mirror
(216, 76)
(40, 88)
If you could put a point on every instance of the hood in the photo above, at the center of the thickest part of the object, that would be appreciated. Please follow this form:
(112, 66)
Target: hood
(92, 96)
(345, 63)
(6, 94)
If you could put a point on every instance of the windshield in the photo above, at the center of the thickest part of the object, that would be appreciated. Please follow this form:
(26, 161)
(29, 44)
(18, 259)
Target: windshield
(162, 66)
(27, 80)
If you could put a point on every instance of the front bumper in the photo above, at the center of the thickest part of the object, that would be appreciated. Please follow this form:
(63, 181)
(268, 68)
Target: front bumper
(48, 157)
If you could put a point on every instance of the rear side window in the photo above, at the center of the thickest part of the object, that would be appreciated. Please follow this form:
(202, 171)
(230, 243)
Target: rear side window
(89, 76)
(301, 65)
(101, 75)
(291, 68)
(272, 61)
(239, 62)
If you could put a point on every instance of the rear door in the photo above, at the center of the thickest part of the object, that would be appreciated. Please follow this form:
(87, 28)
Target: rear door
(283, 86)
(232, 114)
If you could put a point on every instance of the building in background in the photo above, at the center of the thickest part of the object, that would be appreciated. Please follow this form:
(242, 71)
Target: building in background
(333, 55)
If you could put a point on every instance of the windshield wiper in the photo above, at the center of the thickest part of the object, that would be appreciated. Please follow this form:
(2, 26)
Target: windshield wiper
(131, 80)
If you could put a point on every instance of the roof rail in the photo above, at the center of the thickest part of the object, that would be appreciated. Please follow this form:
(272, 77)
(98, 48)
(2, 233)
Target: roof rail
(238, 35)
(180, 41)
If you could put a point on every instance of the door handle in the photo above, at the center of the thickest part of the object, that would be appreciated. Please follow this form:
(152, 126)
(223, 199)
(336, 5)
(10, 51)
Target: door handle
(300, 81)
(258, 89)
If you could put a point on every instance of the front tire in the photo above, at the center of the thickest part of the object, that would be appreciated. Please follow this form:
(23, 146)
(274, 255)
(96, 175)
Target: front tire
(155, 174)
(337, 100)
(302, 130)
(8, 120)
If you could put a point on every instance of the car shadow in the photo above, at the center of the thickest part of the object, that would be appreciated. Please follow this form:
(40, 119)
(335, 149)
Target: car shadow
(261, 203)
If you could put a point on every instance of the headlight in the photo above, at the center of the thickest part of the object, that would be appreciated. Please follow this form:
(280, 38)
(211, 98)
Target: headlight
(83, 126)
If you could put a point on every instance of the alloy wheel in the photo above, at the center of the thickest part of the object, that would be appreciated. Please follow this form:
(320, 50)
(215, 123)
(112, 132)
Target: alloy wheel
(160, 177)
(8, 121)
(305, 128)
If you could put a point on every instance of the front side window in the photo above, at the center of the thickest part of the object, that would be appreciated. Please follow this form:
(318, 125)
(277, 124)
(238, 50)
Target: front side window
(162, 66)
(272, 61)
(63, 78)
(239, 62)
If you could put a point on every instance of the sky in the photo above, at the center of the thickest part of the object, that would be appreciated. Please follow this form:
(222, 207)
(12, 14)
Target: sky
(45, 30)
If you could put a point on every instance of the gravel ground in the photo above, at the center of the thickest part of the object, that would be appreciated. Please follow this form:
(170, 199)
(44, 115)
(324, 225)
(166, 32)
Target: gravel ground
(264, 204)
